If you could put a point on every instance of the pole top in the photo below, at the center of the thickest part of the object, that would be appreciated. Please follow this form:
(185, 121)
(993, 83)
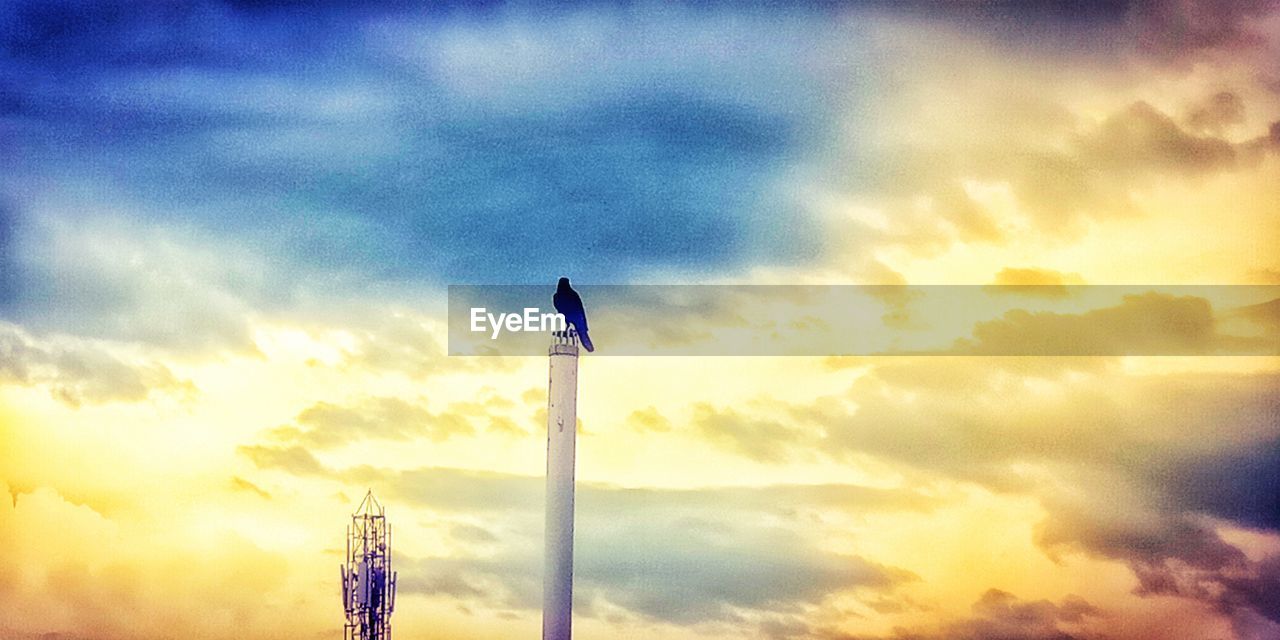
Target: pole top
(564, 343)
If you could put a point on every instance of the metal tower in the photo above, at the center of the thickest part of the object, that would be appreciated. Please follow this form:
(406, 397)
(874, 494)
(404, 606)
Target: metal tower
(368, 582)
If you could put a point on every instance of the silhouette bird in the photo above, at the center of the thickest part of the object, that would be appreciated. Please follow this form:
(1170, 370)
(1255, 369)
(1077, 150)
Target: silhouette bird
(569, 304)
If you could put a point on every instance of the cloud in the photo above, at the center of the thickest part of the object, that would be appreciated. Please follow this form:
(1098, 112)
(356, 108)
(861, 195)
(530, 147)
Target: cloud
(982, 415)
(1141, 467)
(1181, 31)
(1031, 281)
(1254, 590)
(112, 277)
(688, 569)
(385, 137)
(1144, 139)
(1266, 314)
(80, 372)
(1158, 546)
(240, 484)
(1168, 533)
(1035, 277)
(460, 490)
(1229, 484)
(1180, 556)
(106, 570)
(1043, 316)
(1150, 323)
(999, 615)
(393, 341)
(1146, 469)
(676, 556)
(173, 185)
(472, 534)
(760, 439)
(682, 571)
(649, 420)
(291, 459)
(930, 177)
(1223, 110)
(326, 425)
(1100, 167)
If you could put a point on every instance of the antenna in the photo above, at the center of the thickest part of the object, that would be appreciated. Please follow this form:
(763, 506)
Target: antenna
(368, 582)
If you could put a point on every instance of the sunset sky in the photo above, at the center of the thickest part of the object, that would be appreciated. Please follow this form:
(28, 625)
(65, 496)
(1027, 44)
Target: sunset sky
(227, 229)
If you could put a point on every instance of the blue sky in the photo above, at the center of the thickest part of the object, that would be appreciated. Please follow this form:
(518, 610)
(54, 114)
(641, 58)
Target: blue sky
(464, 145)
(226, 231)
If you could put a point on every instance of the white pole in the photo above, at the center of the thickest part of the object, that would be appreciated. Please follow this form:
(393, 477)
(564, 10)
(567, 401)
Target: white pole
(562, 419)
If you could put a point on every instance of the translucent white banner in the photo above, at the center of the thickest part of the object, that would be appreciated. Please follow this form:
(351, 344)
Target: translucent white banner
(832, 320)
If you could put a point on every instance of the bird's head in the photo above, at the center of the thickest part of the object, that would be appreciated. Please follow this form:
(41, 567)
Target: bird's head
(563, 284)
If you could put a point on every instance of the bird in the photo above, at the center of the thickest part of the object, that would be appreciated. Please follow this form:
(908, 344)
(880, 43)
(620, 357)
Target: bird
(569, 304)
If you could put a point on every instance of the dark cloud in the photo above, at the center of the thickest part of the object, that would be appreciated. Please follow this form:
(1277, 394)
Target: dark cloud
(1255, 590)
(1170, 538)
(1180, 556)
(1224, 109)
(1233, 484)
(999, 615)
(1181, 31)
(1159, 547)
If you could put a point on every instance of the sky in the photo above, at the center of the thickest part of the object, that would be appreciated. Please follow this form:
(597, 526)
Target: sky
(227, 231)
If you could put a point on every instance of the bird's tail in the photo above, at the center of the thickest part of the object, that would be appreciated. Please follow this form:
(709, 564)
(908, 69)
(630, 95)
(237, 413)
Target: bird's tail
(586, 341)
